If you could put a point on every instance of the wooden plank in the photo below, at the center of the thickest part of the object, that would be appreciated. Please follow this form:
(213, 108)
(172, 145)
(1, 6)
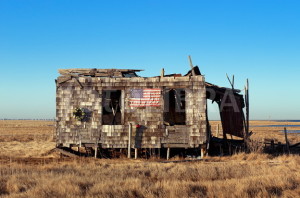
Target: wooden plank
(63, 79)
(287, 144)
(78, 83)
(192, 67)
(171, 145)
(66, 152)
(94, 71)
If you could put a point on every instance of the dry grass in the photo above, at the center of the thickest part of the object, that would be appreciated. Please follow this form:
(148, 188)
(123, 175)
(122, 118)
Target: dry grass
(35, 172)
(266, 133)
(240, 176)
(26, 138)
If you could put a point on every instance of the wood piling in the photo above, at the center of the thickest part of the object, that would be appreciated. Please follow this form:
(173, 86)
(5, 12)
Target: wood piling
(287, 144)
(168, 153)
(129, 140)
(135, 153)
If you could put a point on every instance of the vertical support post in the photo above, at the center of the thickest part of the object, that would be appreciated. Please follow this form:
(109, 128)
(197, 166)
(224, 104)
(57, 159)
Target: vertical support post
(129, 140)
(135, 153)
(247, 106)
(218, 129)
(96, 149)
(159, 152)
(221, 150)
(279, 146)
(202, 153)
(162, 73)
(122, 107)
(168, 153)
(287, 144)
(272, 145)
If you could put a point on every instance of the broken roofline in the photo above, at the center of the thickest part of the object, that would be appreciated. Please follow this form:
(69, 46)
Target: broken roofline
(94, 72)
(99, 72)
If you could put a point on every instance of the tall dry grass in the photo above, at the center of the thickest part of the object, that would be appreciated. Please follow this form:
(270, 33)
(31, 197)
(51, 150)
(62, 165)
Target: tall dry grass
(241, 175)
(28, 169)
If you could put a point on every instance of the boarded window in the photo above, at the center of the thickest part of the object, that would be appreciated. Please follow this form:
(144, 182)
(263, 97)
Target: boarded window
(111, 107)
(174, 103)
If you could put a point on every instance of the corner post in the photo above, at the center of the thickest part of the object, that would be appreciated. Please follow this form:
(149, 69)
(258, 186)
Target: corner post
(129, 140)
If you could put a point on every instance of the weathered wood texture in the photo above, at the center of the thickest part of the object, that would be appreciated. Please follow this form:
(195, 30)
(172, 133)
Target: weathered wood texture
(153, 133)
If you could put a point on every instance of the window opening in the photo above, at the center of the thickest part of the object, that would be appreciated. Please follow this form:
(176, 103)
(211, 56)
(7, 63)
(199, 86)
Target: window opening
(174, 101)
(111, 107)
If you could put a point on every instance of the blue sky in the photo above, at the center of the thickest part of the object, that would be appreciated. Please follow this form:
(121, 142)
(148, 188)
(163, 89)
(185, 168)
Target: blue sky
(253, 39)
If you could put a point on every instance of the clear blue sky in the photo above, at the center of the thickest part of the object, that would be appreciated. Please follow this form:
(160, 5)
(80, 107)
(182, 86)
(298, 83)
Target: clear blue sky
(259, 40)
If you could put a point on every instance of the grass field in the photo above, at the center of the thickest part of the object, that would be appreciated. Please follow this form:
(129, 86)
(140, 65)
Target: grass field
(29, 168)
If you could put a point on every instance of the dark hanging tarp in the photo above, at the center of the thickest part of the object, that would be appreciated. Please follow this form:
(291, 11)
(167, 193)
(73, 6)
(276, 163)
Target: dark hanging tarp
(232, 116)
(231, 105)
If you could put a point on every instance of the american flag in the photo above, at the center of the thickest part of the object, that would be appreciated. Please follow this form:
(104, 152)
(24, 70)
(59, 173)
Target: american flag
(144, 97)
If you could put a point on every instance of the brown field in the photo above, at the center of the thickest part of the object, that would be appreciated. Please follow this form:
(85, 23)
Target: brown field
(30, 168)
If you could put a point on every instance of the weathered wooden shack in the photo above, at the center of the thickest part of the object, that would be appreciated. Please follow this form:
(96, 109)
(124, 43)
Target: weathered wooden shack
(117, 109)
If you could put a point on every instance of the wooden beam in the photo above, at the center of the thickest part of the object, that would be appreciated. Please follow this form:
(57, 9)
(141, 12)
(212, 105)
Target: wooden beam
(63, 79)
(64, 152)
(192, 66)
(94, 71)
(231, 82)
(77, 81)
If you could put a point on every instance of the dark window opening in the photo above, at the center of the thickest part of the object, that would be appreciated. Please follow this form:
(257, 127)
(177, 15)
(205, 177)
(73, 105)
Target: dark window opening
(174, 112)
(111, 107)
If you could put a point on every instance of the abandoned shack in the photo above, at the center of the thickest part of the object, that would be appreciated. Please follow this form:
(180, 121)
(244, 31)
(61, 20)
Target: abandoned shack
(115, 109)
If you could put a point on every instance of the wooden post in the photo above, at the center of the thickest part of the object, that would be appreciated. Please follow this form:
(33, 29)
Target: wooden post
(96, 149)
(192, 66)
(272, 145)
(159, 152)
(218, 128)
(135, 153)
(247, 107)
(231, 82)
(279, 146)
(229, 148)
(162, 73)
(202, 153)
(168, 153)
(221, 150)
(287, 144)
(129, 140)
